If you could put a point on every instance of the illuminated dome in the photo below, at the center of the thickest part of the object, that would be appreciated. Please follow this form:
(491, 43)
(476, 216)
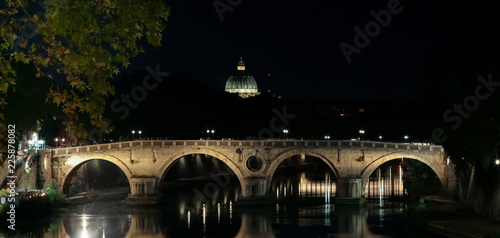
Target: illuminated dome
(242, 83)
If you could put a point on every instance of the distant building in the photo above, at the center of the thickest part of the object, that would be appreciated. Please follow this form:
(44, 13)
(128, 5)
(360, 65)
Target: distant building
(242, 83)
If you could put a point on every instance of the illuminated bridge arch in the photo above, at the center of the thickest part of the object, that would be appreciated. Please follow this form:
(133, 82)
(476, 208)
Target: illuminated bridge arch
(293, 152)
(75, 162)
(437, 166)
(165, 167)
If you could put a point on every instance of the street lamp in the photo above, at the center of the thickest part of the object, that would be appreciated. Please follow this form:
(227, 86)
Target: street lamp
(285, 133)
(327, 137)
(210, 134)
(133, 134)
(380, 137)
(406, 137)
(497, 161)
(57, 140)
(362, 134)
(140, 132)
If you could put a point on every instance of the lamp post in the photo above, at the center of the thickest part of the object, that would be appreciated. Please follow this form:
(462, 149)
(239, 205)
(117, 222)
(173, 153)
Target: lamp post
(140, 133)
(406, 137)
(210, 134)
(133, 134)
(327, 137)
(285, 134)
(362, 134)
(380, 137)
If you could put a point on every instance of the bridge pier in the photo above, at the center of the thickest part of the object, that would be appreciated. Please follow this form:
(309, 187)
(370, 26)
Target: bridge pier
(349, 192)
(143, 191)
(254, 192)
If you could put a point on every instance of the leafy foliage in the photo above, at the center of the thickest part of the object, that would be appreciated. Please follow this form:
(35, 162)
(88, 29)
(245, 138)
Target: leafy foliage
(56, 197)
(80, 44)
(5, 192)
(450, 80)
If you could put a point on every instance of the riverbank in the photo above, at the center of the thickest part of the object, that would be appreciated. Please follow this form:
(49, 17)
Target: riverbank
(452, 219)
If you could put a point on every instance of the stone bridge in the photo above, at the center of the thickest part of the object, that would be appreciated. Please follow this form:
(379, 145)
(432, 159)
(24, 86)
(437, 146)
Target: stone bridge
(254, 162)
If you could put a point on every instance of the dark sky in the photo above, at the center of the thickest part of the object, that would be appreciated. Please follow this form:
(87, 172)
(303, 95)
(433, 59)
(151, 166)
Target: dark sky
(297, 42)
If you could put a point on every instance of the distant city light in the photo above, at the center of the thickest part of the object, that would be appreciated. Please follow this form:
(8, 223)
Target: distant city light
(35, 143)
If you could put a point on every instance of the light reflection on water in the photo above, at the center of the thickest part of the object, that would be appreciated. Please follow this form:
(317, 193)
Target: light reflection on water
(186, 216)
(218, 221)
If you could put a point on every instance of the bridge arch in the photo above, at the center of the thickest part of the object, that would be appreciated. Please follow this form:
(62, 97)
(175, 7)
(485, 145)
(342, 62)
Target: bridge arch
(289, 153)
(436, 166)
(75, 162)
(165, 167)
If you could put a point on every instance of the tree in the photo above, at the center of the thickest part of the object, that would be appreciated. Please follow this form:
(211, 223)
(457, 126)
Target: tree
(80, 45)
(460, 86)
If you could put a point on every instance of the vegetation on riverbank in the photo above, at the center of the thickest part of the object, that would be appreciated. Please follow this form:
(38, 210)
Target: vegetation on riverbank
(36, 206)
(451, 219)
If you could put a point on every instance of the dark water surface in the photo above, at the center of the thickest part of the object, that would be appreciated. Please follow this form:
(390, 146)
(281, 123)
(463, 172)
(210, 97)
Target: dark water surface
(104, 219)
(196, 206)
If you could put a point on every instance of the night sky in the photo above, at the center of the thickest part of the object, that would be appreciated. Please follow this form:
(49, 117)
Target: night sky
(297, 43)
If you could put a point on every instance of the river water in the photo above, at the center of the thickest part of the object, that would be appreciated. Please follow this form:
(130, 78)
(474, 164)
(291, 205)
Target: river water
(104, 217)
(192, 206)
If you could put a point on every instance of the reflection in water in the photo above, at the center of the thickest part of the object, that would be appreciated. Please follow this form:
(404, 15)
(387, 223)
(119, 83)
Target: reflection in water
(218, 221)
(303, 179)
(306, 188)
(255, 226)
(385, 183)
(189, 212)
(352, 223)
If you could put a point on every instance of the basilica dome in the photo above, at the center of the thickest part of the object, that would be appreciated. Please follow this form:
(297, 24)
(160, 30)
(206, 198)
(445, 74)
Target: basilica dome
(242, 83)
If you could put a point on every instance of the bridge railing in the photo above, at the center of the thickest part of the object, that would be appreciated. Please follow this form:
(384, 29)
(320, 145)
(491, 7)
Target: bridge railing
(249, 143)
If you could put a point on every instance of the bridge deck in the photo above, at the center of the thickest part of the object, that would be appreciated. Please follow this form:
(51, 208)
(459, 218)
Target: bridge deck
(248, 143)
